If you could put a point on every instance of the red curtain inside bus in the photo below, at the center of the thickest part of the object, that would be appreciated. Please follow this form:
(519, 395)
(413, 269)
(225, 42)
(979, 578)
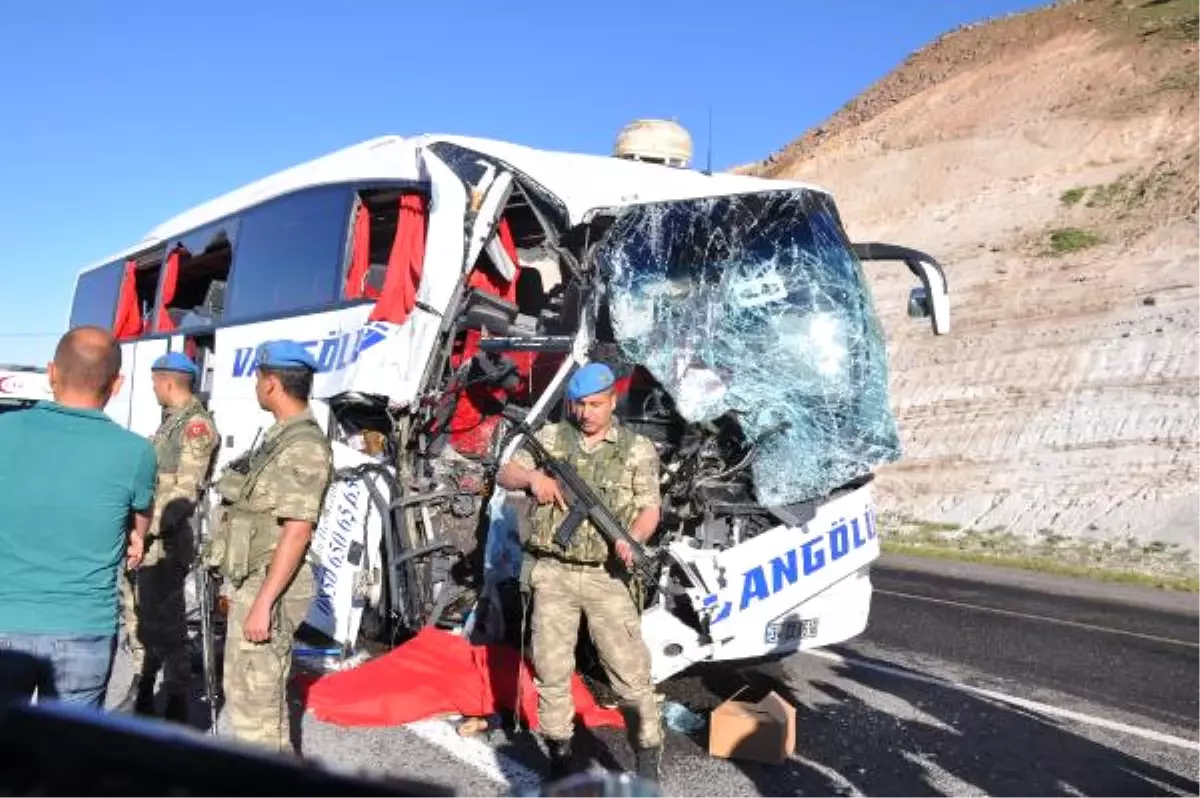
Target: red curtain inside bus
(399, 295)
(477, 414)
(360, 257)
(169, 280)
(490, 281)
(128, 321)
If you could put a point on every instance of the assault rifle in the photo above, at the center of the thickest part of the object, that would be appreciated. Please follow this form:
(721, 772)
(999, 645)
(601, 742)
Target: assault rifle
(583, 503)
(206, 590)
(206, 584)
(204, 596)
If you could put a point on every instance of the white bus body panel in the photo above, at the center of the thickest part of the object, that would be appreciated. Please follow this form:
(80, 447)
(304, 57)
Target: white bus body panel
(134, 406)
(348, 552)
(784, 590)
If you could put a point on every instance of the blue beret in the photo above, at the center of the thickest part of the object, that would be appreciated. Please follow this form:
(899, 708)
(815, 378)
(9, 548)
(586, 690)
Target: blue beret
(285, 355)
(175, 361)
(592, 378)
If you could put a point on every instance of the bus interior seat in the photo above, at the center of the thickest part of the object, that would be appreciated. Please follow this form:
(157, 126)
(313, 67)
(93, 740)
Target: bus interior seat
(214, 298)
(376, 274)
(204, 314)
(531, 292)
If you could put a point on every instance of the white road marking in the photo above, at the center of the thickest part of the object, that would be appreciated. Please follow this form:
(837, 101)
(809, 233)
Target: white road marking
(1043, 618)
(947, 783)
(477, 754)
(843, 784)
(1024, 703)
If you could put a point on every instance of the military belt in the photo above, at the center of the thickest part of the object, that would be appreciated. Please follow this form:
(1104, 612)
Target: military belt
(309, 559)
(570, 565)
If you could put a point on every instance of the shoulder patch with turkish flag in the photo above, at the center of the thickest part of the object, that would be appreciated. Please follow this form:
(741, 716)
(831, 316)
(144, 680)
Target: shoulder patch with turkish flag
(196, 429)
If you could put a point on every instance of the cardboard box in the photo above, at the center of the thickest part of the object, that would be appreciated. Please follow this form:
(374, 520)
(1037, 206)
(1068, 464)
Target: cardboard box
(763, 732)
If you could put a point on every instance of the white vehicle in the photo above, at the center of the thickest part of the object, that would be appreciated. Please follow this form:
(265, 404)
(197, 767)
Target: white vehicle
(21, 386)
(445, 282)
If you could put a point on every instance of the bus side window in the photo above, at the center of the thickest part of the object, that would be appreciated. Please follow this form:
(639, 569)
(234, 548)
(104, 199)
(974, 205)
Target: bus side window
(373, 231)
(195, 275)
(136, 294)
(95, 300)
(290, 253)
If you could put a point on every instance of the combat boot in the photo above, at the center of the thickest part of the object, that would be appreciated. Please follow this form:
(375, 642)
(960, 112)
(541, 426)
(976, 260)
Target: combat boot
(177, 708)
(649, 763)
(561, 759)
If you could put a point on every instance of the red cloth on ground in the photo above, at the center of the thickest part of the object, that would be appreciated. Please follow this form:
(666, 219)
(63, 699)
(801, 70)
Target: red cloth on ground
(439, 673)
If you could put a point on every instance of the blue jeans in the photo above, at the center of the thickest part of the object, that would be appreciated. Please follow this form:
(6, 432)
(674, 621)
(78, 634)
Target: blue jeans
(70, 669)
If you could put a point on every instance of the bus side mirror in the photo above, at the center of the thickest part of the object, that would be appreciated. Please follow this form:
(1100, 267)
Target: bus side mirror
(930, 300)
(918, 303)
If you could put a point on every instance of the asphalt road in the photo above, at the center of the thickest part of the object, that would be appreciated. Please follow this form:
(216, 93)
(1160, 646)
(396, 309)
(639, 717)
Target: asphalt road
(1138, 659)
(969, 681)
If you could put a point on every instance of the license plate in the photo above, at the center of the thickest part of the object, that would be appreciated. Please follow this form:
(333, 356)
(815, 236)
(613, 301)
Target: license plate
(791, 629)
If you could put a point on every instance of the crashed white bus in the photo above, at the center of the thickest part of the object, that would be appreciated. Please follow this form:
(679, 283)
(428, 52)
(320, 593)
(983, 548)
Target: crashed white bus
(447, 285)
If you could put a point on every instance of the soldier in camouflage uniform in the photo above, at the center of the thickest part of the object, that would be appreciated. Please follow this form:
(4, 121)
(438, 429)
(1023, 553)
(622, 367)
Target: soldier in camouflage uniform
(622, 467)
(272, 500)
(153, 598)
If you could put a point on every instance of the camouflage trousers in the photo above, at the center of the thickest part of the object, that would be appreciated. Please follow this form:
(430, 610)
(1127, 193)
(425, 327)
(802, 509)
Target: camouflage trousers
(256, 674)
(156, 623)
(560, 593)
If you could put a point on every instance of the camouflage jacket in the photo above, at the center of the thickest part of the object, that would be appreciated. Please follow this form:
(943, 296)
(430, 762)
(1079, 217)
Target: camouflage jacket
(184, 445)
(626, 483)
(283, 479)
(292, 486)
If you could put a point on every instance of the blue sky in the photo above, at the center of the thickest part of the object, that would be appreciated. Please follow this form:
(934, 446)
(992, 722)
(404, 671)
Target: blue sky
(115, 116)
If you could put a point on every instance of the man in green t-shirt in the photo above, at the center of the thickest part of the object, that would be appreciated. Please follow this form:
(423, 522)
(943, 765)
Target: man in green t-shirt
(76, 493)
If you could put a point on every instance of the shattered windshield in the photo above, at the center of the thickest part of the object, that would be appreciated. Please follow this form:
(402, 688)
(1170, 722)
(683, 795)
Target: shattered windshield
(754, 305)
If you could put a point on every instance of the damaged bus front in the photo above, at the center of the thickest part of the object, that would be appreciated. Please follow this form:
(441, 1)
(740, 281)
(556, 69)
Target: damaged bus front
(751, 315)
(737, 318)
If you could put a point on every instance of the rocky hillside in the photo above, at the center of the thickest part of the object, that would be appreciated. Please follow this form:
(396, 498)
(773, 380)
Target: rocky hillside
(1049, 161)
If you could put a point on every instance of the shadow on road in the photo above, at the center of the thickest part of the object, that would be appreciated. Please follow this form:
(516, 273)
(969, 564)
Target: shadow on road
(522, 746)
(954, 738)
